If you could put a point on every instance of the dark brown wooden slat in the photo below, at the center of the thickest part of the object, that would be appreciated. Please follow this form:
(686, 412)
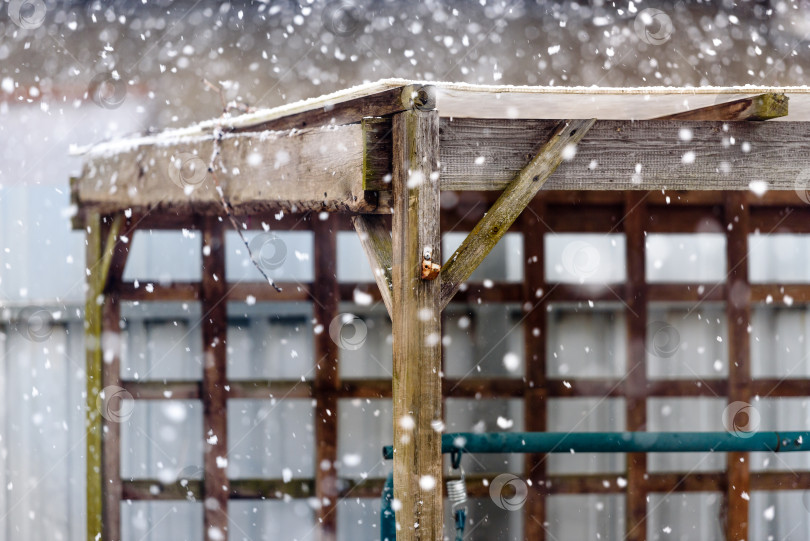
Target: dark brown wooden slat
(738, 317)
(263, 390)
(327, 380)
(779, 387)
(635, 384)
(780, 295)
(272, 489)
(214, 394)
(535, 328)
(111, 441)
(685, 482)
(163, 390)
(686, 292)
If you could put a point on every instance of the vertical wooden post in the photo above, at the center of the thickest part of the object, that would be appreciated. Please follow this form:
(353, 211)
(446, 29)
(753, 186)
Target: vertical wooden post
(214, 394)
(738, 316)
(534, 339)
(417, 326)
(325, 297)
(636, 382)
(111, 456)
(94, 376)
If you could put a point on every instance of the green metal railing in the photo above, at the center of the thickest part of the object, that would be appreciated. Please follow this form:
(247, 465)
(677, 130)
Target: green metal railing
(597, 442)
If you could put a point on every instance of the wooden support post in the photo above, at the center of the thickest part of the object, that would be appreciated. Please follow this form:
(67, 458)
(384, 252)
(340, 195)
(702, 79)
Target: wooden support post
(417, 327)
(214, 393)
(327, 380)
(94, 368)
(508, 207)
(636, 383)
(738, 317)
(98, 257)
(762, 107)
(375, 237)
(534, 338)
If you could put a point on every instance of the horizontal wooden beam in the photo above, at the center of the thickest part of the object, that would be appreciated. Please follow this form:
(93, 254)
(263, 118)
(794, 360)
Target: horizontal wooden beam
(268, 171)
(624, 155)
(313, 169)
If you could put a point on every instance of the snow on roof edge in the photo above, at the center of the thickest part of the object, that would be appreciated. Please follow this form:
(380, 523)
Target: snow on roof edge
(192, 132)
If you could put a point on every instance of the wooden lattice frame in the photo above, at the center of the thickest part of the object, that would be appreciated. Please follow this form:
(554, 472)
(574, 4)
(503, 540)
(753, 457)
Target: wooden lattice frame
(412, 135)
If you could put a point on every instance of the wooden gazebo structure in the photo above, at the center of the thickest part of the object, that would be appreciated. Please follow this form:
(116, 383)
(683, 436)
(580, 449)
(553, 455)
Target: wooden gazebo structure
(663, 159)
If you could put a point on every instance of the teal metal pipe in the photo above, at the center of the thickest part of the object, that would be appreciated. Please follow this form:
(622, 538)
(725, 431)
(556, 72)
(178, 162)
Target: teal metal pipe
(620, 442)
(597, 442)
(388, 523)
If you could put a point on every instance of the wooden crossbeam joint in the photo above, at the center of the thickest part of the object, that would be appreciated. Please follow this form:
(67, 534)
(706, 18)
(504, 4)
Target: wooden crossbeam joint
(420, 97)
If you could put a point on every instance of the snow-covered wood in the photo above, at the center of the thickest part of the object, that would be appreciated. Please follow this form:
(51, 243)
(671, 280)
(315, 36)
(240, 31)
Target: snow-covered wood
(312, 169)
(339, 162)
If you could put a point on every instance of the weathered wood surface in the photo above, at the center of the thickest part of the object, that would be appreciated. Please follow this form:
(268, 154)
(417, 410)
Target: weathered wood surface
(375, 238)
(416, 328)
(762, 107)
(621, 155)
(98, 257)
(495, 223)
(377, 153)
(339, 108)
(94, 369)
(459, 100)
(317, 169)
(325, 169)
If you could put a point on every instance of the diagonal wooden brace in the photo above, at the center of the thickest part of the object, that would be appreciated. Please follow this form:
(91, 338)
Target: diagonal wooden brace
(375, 237)
(761, 107)
(495, 223)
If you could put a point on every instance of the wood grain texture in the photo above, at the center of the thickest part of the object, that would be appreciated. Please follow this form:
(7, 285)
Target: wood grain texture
(762, 107)
(375, 238)
(623, 155)
(313, 169)
(494, 225)
(98, 258)
(94, 375)
(344, 109)
(214, 393)
(377, 153)
(416, 327)
(325, 169)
